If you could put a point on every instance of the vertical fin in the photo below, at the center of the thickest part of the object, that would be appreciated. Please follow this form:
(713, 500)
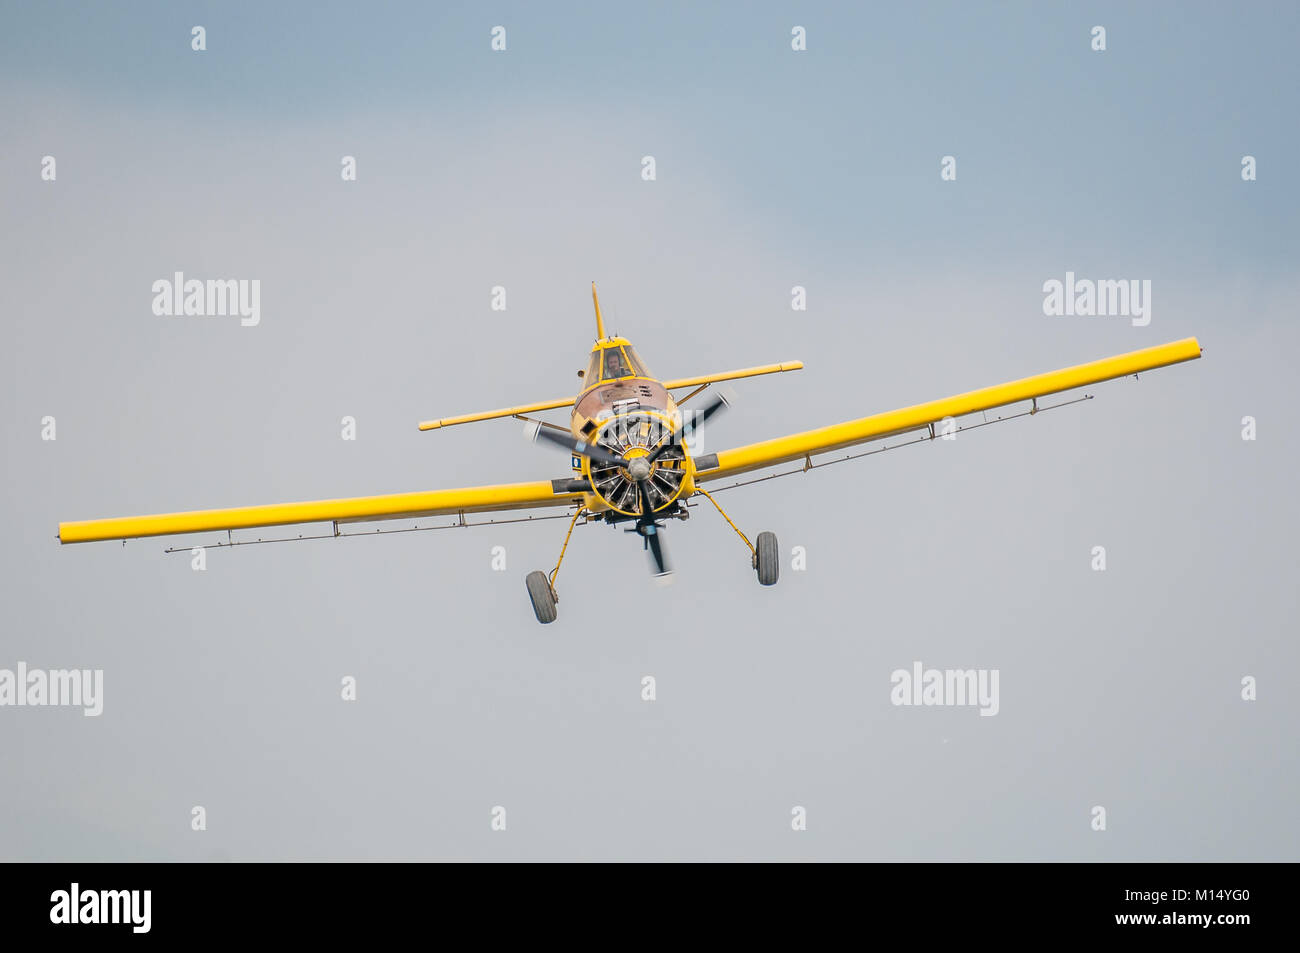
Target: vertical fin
(600, 324)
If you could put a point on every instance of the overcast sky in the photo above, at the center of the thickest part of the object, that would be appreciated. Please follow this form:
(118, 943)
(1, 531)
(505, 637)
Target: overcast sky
(1119, 688)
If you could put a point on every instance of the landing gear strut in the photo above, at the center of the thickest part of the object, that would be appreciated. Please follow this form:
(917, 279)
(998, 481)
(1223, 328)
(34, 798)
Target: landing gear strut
(541, 587)
(766, 556)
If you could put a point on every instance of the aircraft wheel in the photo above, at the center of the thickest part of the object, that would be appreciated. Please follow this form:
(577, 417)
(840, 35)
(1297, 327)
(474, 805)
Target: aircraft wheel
(767, 559)
(539, 593)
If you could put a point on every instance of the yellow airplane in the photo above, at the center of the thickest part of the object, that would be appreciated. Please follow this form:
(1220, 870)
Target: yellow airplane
(629, 440)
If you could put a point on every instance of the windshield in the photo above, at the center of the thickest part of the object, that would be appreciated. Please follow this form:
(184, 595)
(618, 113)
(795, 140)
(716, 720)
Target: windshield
(637, 364)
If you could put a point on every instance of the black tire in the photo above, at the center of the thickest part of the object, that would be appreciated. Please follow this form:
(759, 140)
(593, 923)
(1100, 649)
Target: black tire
(767, 560)
(539, 593)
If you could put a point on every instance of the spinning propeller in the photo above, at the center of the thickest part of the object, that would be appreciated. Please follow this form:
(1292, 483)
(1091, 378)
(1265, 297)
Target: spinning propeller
(690, 423)
(596, 454)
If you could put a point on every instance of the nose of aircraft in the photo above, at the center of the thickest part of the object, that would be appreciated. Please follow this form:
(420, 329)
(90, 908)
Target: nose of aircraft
(639, 469)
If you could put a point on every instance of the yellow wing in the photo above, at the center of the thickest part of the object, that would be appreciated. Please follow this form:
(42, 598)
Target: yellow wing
(735, 375)
(493, 414)
(477, 499)
(568, 401)
(797, 446)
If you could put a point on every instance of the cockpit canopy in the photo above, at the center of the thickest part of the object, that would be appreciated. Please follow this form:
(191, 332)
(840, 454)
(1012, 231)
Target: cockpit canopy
(611, 362)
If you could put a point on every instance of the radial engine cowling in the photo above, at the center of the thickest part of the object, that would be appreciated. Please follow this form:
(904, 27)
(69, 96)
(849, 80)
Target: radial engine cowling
(638, 486)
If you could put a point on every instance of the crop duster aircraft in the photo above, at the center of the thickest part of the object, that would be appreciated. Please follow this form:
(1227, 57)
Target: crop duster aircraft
(630, 438)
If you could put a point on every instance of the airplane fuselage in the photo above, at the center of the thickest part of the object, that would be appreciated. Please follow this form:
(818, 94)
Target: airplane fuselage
(631, 414)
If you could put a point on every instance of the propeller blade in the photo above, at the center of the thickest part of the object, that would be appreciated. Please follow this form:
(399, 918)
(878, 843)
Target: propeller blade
(720, 400)
(535, 431)
(654, 543)
(691, 422)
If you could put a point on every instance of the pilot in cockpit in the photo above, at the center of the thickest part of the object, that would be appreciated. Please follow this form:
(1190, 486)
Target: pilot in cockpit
(614, 366)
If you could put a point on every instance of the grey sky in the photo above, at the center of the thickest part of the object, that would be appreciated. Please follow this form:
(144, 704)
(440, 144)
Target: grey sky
(521, 169)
